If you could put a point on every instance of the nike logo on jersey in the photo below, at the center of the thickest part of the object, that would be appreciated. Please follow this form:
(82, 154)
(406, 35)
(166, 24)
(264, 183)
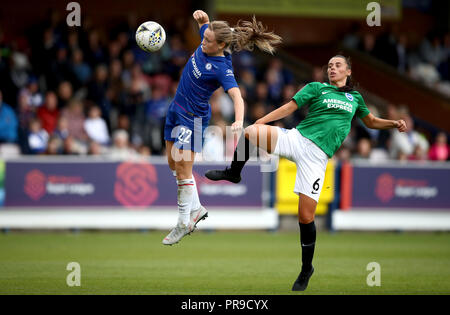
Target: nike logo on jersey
(325, 92)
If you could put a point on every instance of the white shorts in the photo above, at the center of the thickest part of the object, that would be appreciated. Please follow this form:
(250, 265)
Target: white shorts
(310, 159)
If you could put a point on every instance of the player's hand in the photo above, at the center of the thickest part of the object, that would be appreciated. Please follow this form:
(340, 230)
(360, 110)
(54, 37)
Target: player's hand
(401, 125)
(237, 126)
(201, 17)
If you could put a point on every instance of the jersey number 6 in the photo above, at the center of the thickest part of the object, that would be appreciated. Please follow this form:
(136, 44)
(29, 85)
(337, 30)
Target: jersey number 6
(316, 185)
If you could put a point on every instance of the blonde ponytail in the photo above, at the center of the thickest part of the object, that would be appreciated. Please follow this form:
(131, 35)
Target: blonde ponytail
(245, 36)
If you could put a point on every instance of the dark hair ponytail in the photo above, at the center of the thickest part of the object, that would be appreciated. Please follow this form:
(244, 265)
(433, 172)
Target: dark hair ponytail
(349, 85)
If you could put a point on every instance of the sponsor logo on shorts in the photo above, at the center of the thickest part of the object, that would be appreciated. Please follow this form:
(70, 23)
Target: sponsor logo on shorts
(316, 187)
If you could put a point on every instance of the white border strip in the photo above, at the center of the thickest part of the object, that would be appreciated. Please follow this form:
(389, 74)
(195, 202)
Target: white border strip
(391, 220)
(219, 218)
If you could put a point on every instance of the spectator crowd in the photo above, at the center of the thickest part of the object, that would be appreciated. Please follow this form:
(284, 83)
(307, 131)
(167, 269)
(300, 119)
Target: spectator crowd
(90, 91)
(426, 60)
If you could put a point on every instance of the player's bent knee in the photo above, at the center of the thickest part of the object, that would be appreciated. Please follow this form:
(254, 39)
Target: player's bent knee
(250, 131)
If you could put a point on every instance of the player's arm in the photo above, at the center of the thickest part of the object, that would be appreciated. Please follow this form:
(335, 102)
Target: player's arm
(373, 122)
(238, 102)
(279, 113)
(201, 17)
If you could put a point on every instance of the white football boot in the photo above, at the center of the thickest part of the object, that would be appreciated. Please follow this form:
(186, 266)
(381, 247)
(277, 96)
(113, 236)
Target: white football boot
(178, 233)
(198, 215)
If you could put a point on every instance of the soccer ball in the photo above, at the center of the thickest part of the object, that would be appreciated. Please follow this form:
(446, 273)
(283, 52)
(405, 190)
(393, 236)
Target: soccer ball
(150, 36)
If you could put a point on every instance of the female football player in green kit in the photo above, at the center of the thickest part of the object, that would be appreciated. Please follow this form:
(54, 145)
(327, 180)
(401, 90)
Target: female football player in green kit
(331, 109)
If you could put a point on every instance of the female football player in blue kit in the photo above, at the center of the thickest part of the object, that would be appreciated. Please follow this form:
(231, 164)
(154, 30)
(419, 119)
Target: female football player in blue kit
(208, 68)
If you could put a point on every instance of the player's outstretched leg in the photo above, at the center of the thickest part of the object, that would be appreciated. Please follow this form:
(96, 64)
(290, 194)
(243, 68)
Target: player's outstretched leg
(240, 157)
(254, 136)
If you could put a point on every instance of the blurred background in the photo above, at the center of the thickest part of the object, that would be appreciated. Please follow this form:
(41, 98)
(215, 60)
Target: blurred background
(83, 109)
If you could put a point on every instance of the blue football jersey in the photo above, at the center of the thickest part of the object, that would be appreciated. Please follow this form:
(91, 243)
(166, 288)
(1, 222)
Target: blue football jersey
(201, 76)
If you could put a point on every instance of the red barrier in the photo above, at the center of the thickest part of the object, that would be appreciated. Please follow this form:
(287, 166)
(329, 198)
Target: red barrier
(346, 185)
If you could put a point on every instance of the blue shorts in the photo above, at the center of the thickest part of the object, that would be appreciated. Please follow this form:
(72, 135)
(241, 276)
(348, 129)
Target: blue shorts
(185, 129)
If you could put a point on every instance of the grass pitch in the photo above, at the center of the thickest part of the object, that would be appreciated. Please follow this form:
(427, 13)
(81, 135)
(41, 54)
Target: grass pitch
(222, 263)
